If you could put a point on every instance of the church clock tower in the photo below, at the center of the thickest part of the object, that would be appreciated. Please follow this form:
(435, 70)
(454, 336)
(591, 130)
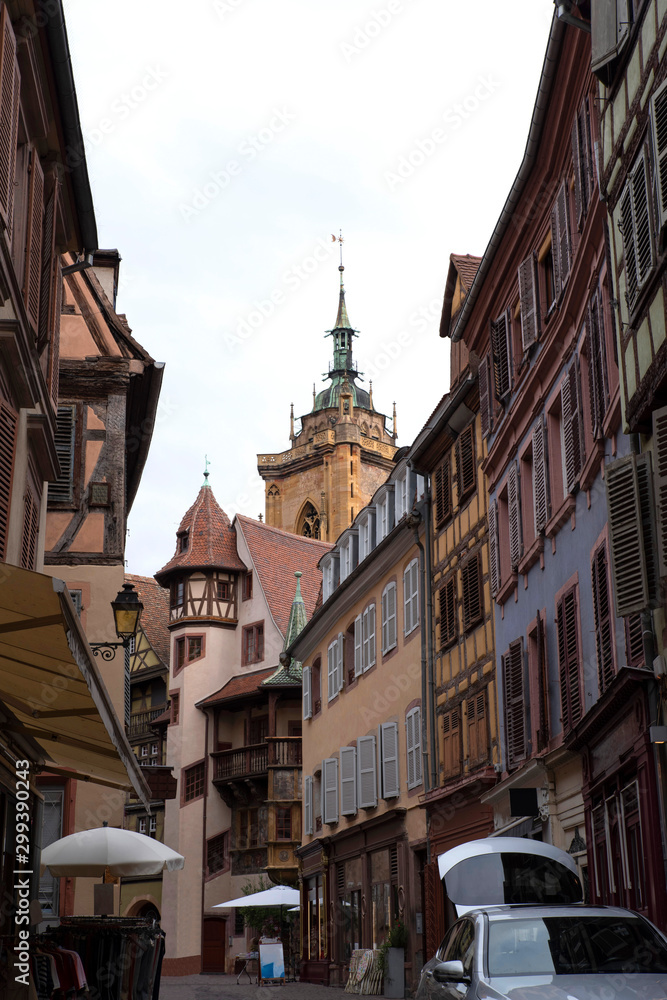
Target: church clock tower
(341, 454)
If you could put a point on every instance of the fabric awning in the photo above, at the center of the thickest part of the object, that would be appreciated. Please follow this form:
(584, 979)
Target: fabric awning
(49, 680)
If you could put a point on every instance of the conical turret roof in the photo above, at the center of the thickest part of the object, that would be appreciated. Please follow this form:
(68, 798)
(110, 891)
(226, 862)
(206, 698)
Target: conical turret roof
(342, 371)
(205, 538)
(290, 671)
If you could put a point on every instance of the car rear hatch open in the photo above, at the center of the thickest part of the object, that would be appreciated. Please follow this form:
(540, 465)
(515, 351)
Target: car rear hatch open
(502, 870)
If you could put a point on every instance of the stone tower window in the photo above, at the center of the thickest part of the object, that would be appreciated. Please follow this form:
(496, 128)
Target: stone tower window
(309, 525)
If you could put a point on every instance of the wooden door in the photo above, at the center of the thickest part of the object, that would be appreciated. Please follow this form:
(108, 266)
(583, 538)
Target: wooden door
(213, 946)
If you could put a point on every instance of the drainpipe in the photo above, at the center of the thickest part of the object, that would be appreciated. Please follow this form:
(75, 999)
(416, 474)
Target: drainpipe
(426, 611)
(413, 521)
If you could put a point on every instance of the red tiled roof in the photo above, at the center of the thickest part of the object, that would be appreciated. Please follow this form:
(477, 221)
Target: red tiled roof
(155, 616)
(239, 686)
(467, 265)
(277, 555)
(211, 541)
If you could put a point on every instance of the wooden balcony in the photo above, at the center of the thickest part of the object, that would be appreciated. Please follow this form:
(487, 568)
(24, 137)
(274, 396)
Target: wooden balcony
(284, 751)
(140, 722)
(243, 762)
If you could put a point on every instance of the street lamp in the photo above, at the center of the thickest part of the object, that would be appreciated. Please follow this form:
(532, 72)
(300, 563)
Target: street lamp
(127, 610)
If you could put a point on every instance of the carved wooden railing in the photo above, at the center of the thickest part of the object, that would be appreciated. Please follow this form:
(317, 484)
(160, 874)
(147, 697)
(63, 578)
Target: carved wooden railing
(240, 762)
(284, 751)
(140, 722)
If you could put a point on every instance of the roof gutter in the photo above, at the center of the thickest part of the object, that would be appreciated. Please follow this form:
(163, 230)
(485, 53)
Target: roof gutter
(75, 156)
(529, 157)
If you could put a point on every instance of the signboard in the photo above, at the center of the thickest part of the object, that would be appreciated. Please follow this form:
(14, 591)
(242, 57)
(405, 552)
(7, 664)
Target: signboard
(271, 961)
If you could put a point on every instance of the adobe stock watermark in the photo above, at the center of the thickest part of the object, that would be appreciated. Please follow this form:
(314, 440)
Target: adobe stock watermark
(365, 33)
(454, 118)
(124, 105)
(292, 279)
(249, 150)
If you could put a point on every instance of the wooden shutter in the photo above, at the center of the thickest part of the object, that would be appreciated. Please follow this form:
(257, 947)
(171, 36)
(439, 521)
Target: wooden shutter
(8, 426)
(659, 123)
(388, 735)
(332, 674)
(634, 640)
(308, 805)
(434, 909)
(30, 530)
(478, 740)
(411, 596)
(609, 32)
(48, 320)
(660, 483)
(582, 162)
(9, 116)
(484, 374)
(603, 621)
(33, 252)
(307, 693)
(636, 229)
(576, 163)
(471, 589)
(597, 365)
(494, 551)
(465, 461)
(515, 702)
(500, 346)
(54, 352)
(448, 616)
(340, 663)
(389, 618)
(530, 302)
(568, 659)
(367, 772)
(452, 742)
(370, 618)
(443, 493)
(540, 484)
(348, 781)
(413, 747)
(358, 646)
(573, 436)
(330, 790)
(560, 239)
(631, 533)
(514, 512)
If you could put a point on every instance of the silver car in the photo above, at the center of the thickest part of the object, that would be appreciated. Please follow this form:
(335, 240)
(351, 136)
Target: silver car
(522, 932)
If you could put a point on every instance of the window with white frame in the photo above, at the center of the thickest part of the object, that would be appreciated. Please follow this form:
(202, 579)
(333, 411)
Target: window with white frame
(329, 577)
(366, 534)
(348, 781)
(413, 745)
(345, 560)
(388, 617)
(364, 640)
(335, 666)
(401, 494)
(411, 597)
(142, 825)
(152, 826)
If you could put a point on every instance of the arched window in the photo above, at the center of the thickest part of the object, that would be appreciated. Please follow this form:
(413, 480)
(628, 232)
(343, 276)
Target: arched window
(309, 522)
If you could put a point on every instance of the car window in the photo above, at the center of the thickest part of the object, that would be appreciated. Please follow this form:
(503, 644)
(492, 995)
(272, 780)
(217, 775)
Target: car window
(574, 945)
(448, 941)
(464, 946)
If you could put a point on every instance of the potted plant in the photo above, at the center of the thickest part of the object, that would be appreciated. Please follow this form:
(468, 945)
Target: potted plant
(392, 960)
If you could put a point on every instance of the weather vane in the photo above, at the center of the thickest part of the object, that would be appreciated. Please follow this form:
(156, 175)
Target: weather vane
(339, 239)
(206, 472)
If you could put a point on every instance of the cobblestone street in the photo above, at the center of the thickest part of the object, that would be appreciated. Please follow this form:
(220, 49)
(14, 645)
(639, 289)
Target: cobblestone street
(226, 988)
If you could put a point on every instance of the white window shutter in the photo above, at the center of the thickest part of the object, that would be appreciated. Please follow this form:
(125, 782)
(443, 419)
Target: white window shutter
(307, 696)
(658, 113)
(414, 584)
(384, 621)
(358, 649)
(330, 790)
(371, 635)
(391, 616)
(413, 742)
(331, 671)
(340, 662)
(367, 765)
(407, 602)
(388, 732)
(348, 781)
(308, 805)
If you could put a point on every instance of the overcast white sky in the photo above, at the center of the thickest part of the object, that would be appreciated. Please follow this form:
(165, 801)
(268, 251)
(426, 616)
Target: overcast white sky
(226, 141)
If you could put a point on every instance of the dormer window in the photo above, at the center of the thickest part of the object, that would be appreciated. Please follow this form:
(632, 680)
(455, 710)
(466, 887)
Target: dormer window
(183, 543)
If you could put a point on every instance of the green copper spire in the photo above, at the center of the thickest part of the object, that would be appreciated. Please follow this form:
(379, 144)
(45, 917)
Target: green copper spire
(342, 322)
(290, 671)
(342, 370)
(206, 472)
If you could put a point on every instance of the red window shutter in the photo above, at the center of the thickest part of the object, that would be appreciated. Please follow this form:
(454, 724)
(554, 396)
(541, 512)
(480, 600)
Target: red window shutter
(540, 485)
(443, 493)
(484, 374)
(9, 115)
(54, 356)
(529, 300)
(543, 686)
(576, 163)
(572, 425)
(584, 180)
(563, 248)
(597, 365)
(477, 733)
(494, 551)
(48, 268)
(465, 461)
(603, 621)
(448, 616)
(30, 530)
(500, 347)
(471, 589)
(515, 700)
(568, 659)
(8, 425)
(452, 742)
(634, 641)
(33, 255)
(514, 511)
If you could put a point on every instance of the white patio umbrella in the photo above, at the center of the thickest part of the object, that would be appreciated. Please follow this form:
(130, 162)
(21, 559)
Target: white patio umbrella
(123, 852)
(278, 895)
